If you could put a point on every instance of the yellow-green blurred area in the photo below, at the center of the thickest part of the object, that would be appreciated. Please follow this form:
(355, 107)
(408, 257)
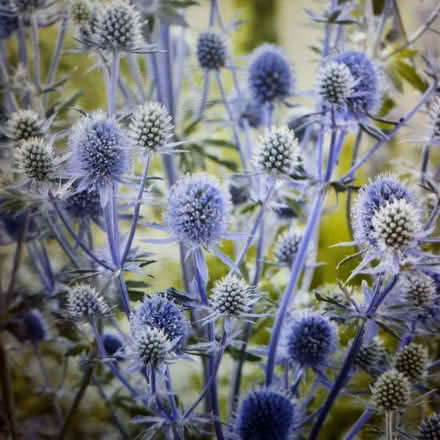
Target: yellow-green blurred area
(283, 22)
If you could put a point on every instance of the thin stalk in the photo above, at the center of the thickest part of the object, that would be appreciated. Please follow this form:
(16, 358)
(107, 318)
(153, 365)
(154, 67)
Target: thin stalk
(136, 211)
(36, 47)
(205, 93)
(288, 294)
(379, 33)
(85, 382)
(57, 56)
(113, 86)
(21, 40)
(425, 161)
(7, 392)
(389, 428)
(213, 399)
(10, 98)
(360, 423)
(135, 73)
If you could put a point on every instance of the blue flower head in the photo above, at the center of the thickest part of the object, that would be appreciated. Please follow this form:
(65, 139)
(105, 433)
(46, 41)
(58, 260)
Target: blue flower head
(265, 415)
(198, 210)
(83, 204)
(8, 20)
(212, 51)
(366, 90)
(270, 76)
(100, 152)
(161, 313)
(310, 341)
(112, 344)
(35, 329)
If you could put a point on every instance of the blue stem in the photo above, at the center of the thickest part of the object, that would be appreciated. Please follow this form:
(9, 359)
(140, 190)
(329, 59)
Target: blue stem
(113, 86)
(361, 421)
(297, 266)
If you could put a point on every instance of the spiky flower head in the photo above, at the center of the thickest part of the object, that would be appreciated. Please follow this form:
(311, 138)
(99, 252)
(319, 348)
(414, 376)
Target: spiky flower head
(80, 11)
(434, 118)
(35, 328)
(35, 159)
(212, 50)
(391, 391)
(100, 151)
(411, 361)
(371, 356)
(286, 247)
(279, 152)
(112, 343)
(83, 204)
(233, 297)
(311, 340)
(151, 127)
(198, 210)
(270, 77)
(162, 313)
(429, 429)
(152, 346)
(265, 414)
(419, 290)
(386, 215)
(85, 303)
(119, 27)
(367, 90)
(335, 83)
(8, 20)
(23, 125)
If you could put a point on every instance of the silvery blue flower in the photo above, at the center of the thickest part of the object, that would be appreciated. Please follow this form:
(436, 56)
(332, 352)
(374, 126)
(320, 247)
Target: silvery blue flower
(28, 6)
(35, 328)
(391, 391)
(270, 77)
(411, 361)
(8, 20)
(23, 125)
(429, 429)
(265, 414)
(366, 94)
(286, 247)
(162, 313)
(151, 347)
(198, 210)
(112, 344)
(80, 12)
(85, 303)
(311, 341)
(100, 153)
(83, 204)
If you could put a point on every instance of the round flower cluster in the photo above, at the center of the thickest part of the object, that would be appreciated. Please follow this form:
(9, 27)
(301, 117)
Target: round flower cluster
(212, 51)
(286, 247)
(386, 216)
(119, 26)
(151, 127)
(80, 12)
(151, 345)
(233, 297)
(100, 151)
(311, 340)
(429, 429)
(366, 94)
(265, 414)
(370, 356)
(419, 290)
(391, 391)
(335, 83)
(411, 361)
(84, 302)
(23, 125)
(112, 344)
(83, 204)
(35, 328)
(35, 159)
(198, 210)
(27, 6)
(279, 152)
(160, 313)
(270, 77)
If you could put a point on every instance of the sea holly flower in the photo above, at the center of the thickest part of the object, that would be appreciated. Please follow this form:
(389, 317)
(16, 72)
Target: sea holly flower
(270, 76)
(411, 361)
(160, 312)
(265, 414)
(278, 154)
(85, 303)
(310, 341)
(366, 96)
(8, 20)
(35, 326)
(100, 153)
(286, 247)
(83, 205)
(112, 344)
(388, 225)
(212, 51)
(429, 429)
(23, 125)
(391, 391)
(80, 11)
(151, 128)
